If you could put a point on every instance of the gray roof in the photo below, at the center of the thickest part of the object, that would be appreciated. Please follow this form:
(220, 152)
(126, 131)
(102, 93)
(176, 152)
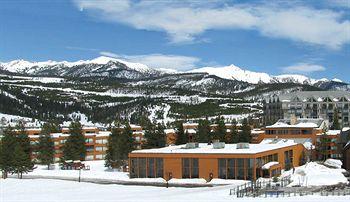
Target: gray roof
(304, 95)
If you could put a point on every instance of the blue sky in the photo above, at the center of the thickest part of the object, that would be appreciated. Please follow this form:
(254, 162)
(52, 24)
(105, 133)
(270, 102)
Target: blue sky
(305, 37)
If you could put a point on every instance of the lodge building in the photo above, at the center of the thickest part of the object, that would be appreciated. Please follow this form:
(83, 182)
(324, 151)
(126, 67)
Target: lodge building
(242, 161)
(95, 140)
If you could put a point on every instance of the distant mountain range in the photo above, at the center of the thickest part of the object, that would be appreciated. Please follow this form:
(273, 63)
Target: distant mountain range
(119, 69)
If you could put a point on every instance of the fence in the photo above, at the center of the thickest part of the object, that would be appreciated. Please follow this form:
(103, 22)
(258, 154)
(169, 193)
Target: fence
(254, 188)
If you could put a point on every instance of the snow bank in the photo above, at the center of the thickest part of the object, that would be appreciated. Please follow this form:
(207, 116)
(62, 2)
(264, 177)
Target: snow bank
(335, 163)
(314, 174)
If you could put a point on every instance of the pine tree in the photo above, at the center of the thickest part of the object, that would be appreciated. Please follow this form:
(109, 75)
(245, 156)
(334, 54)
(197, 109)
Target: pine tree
(220, 130)
(155, 136)
(234, 132)
(46, 149)
(245, 135)
(120, 144)
(336, 125)
(8, 144)
(203, 134)
(21, 162)
(112, 152)
(180, 133)
(23, 139)
(74, 148)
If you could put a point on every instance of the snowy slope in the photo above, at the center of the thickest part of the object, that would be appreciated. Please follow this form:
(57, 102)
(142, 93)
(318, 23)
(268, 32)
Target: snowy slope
(237, 73)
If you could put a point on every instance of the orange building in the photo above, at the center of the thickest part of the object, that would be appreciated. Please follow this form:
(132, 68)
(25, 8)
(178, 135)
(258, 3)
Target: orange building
(231, 161)
(306, 131)
(95, 140)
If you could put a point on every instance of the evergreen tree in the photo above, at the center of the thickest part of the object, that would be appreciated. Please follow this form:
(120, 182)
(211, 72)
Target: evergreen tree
(245, 135)
(74, 148)
(234, 132)
(8, 144)
(112, 152)
(46, 149)
(180, 133)
(21, 162)
(120, 144)
(155, 136)
(336, 125)
(23, 139)
(203, 134)
(220, 130)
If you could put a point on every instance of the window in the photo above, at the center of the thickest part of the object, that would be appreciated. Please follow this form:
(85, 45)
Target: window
(230, 168)
(133, 167)
(222, 168)
(240, 169)
(190, 168)
(151, 167)
(142, 167)
(159, 167)
(250, 166)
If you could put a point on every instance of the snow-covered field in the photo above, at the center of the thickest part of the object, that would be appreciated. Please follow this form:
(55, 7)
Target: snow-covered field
(50, 190)
(44, 190)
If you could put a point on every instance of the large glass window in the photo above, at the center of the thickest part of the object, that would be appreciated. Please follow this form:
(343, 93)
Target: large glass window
(159, 167)
(230, 168)
(250, 166)
(142, 168)
(240, 169)
(151, 167)
(222, 168)
(133, 168)
(190, 168)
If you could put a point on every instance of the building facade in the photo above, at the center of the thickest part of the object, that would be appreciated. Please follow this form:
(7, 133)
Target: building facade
(231, 161)
(95, 141)
(321, 143)
(308, 104)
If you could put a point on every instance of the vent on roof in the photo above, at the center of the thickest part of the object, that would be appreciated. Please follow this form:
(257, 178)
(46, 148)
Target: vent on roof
(242, 145)
(218, 145)
(192, 145)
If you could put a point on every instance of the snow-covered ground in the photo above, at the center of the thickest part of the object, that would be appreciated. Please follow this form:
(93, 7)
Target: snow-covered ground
(314, 174)
(45, 190)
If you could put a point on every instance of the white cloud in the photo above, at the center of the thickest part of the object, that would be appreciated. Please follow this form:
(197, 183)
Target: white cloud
(184, 21)
(304, 68)
(157, 61)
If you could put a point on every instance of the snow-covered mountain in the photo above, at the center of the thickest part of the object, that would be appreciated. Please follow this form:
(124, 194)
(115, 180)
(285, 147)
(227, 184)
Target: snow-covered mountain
(236, 73)
(101, 66)
(119, 69)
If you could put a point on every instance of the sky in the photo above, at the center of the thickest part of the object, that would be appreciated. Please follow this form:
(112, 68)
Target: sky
(277, 37)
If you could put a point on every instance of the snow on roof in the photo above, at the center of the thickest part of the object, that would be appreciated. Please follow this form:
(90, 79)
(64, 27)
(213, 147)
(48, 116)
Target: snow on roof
(190, 124)
(345, 129)
(331, 132)
(190, 131)
(204, 148)
(166, 131)
(269, 165)
(300, 123)
(307, 142)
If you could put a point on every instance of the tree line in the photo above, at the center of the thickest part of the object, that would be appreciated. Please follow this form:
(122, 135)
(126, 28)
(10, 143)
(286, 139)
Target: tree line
(206, 134)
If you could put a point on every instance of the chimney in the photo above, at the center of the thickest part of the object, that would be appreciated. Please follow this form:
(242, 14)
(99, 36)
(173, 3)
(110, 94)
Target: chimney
(293, 119)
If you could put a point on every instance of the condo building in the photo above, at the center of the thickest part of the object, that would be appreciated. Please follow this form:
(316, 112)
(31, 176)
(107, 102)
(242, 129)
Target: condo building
(308, 104)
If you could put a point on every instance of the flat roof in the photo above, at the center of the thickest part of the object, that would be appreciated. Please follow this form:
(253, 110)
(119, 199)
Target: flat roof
(204, 148)
(300, 123)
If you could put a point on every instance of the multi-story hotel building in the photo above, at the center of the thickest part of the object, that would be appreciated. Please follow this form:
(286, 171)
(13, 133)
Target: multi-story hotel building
(231, 161)
(310, 132)
(309, 104)
(95, 141)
